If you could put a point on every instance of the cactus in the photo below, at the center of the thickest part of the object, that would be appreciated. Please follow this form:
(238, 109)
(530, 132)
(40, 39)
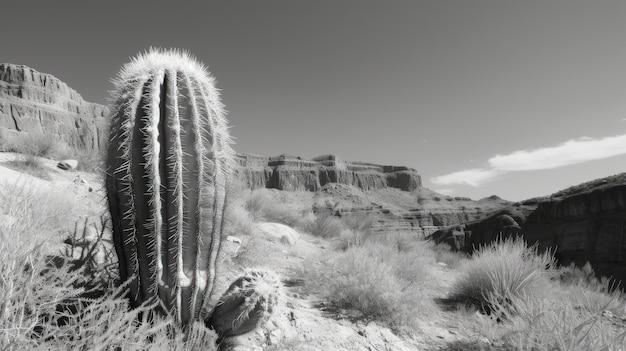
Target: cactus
(247, 303)
(168, 160)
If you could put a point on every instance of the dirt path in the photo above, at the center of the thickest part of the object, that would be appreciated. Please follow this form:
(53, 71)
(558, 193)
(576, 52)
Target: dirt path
(305, 323)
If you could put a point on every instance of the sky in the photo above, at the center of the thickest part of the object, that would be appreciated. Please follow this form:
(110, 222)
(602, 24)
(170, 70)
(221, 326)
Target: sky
(482, 97)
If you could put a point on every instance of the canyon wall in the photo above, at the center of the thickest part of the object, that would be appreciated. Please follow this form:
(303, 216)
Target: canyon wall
(37, 103)
(293, 173)
(585, 223)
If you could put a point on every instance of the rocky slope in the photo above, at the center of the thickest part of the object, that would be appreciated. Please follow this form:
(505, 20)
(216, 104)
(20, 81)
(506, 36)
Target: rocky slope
(39, 103)
(585, 223)
(391, 193)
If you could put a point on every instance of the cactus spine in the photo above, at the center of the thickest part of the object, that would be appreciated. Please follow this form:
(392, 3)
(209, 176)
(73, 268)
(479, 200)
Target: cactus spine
(168, 159)
(248, 303)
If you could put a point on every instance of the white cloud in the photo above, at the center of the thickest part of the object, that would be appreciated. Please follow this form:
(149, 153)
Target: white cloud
(568, 153)
(471, 177)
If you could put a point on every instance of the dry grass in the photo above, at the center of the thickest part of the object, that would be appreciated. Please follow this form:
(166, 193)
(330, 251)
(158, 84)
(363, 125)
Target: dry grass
(502, 271)
(63, 303)
(51, 147)
(376, 279)
(528, 311)
(326, 227)
(28, 164)
(265, 205)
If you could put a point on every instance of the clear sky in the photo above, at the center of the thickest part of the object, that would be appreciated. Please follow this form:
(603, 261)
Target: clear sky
(507, 97)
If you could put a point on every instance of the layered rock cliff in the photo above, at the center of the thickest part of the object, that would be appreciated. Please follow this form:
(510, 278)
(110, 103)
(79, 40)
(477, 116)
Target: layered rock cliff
(38, 103)
(293, 173)
(585, 223)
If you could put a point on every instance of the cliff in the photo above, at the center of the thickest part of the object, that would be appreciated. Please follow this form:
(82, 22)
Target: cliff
(293, 173)
(585, 223)
(39, 103)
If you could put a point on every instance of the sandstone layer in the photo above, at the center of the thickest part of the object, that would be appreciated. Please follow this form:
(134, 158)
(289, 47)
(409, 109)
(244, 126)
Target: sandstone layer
(40, 104)
(293, 173)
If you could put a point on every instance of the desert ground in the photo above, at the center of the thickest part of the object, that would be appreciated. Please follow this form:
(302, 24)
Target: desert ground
(345, 287)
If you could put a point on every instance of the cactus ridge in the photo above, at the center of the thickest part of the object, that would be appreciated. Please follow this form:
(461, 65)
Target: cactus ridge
(167, 169)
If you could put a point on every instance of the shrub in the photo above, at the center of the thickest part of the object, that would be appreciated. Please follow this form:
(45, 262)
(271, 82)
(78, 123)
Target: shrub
(326, 227)
(502, 271)
(562, 322)
(36, 144)
(28, 164)
(262, 207)
(375, 279)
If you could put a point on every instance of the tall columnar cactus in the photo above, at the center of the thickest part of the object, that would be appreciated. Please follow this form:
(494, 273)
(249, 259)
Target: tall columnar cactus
(168, 160)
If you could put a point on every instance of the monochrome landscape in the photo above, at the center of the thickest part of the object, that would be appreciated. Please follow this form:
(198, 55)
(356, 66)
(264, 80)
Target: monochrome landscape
(147, 219)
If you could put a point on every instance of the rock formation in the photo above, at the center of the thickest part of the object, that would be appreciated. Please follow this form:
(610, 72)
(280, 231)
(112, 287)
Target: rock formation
(585, 223)
(39, 103)
(293, 173)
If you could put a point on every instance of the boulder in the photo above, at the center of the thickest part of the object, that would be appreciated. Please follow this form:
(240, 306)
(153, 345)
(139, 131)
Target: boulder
(282, 232)
(67, 165)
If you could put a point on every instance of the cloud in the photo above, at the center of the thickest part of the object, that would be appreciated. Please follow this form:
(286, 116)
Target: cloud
(568, 153)
(471, 177)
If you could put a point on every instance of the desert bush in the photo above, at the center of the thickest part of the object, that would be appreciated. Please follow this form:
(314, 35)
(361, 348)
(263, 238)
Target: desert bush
(36, 144)
(51, 147)
(326, 227)
(359, 222)
(376, 279)
(562, 322)
(262, 207)
(28, 164)
(501, 271)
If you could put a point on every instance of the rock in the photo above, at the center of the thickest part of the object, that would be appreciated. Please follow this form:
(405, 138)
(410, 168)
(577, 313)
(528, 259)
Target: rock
(38, 103)
(286, 172)
(279, 231)
(67, 165)
(581, 224)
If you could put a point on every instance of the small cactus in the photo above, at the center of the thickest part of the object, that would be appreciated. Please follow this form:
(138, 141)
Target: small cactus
(168, 161)
(247, 303)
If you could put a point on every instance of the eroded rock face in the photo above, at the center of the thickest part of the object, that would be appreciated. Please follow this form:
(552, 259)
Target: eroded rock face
(587, 227)
(581, 224)
(293, 173)
(34, 102)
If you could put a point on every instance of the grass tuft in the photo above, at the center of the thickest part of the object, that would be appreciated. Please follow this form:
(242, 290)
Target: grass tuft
(500, 272)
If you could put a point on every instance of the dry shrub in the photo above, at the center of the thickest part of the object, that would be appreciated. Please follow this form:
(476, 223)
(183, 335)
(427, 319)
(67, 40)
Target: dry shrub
(501, 271)
(263, 207)
(376, 279)
(567, 320)
(37, 144)
(30, 165)
(326, 227)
